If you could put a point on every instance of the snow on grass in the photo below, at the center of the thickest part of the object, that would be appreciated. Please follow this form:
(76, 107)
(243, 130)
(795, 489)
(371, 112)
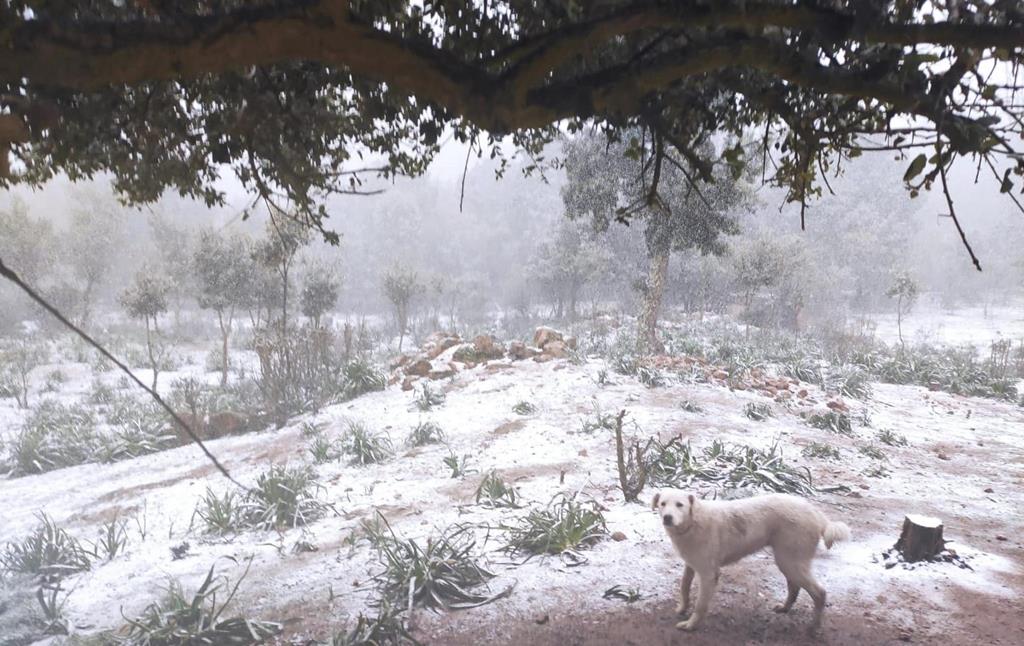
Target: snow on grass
(542, 454)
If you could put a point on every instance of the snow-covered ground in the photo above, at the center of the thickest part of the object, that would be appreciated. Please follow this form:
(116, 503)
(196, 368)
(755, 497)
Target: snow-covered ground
(978, 326)
(964, 464)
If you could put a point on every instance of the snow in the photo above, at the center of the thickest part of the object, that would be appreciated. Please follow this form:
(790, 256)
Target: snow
(544, 453)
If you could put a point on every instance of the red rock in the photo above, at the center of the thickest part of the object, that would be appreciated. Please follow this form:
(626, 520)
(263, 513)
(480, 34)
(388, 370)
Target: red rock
(544, 335)
(441, 373)
(618, 536)
(419, 368)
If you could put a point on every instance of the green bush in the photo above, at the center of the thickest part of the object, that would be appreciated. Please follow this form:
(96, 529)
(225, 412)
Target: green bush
(54, 436)
(564, 526)
(49, 552)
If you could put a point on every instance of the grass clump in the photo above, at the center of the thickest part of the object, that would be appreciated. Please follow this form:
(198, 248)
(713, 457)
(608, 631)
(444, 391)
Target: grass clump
(386, 628)
(323, 449)
(282, 497)
(365, 446)
(360, 377)
(564, 526)
(54, 436)
(690, 407)
(112, 541)
(495, 492)
(49, 552)
(198, 619)
(425, 433)
(832, 421)
(438, 574)
(820, 451)
(887, 436)
(459, 465)
(758, 411)
(598, 422)
(427, 398)
(524, 408)
(650, 376)
(873, 452)
(850, 381)
(878, 471)
(629, 595)
(677, 464)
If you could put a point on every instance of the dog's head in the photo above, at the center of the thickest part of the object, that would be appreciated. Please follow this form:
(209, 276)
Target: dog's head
(675, 508)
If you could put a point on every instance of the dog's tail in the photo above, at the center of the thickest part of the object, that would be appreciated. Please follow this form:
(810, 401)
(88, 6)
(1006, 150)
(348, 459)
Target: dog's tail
(835, 532)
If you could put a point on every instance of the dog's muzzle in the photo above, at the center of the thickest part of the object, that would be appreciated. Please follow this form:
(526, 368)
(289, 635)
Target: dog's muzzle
(666, 520)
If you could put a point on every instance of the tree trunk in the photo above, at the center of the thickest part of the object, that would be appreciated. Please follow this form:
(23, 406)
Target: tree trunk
(152, 358)
(225, 332)
(921, 538)
(647, 326)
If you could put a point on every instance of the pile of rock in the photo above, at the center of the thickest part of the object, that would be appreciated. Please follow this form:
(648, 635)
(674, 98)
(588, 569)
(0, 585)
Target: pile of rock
(443, 355)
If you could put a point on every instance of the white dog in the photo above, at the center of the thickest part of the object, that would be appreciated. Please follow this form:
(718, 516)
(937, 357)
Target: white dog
(709, 534)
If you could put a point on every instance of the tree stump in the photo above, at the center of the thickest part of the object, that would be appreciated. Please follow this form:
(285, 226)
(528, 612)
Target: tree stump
(921, 538)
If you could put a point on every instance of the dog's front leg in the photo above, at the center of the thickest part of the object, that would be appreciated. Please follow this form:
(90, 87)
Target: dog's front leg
(684, 591)
(706, 582)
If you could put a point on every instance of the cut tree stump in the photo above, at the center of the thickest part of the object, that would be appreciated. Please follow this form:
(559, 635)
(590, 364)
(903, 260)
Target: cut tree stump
(921, 538)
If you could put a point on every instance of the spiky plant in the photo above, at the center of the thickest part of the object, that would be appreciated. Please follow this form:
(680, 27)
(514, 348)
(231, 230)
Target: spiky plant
(425, 433)
(758, 411)
(524, 408)
(438, 574)
(832, 421)
(820, 451)
(564, 526)
(364, 446)
(49, 552)
(180, 619)
(495, 492)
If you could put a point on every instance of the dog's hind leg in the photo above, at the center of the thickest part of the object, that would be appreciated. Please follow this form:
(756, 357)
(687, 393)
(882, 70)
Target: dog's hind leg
(799, 574)
(792, 591)
(684, 591)
(706, 581)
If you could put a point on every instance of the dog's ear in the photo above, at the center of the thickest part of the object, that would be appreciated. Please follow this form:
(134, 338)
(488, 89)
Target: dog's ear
(654, 501)
(693, 501)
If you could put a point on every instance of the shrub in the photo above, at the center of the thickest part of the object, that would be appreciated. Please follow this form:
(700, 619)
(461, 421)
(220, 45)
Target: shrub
(833, 421)
(425, 433)
(364, 446)
(190, 620)
(495, 492)
(564, 526)
(49, 552)
(650, 376)
(439, 574)
(112, 541)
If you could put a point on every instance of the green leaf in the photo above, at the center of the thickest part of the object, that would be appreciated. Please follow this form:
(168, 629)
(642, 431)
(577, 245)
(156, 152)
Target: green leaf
(915, 168)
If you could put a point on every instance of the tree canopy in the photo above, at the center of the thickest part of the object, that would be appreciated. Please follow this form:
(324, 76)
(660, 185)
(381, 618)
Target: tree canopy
(291, 96)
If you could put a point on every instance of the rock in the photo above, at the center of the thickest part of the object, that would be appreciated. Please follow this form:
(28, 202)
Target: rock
(409, 383)
(1000, 537)
(487, 347)
(838, 405)
(517, 351)
(570, 342)
(583, 453)
(720, 374)
(441, 373)
(556, 349)
(943, 456)
(543, 358)
(802, 393)
(934, 386)
(399, 361)
(439, 342)
(418, 368)
(544, 335)
(989, 490)
(225, 423)
(618, 536)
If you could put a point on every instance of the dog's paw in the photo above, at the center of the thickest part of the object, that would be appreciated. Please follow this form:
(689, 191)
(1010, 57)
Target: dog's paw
(682, 609)
(781, 608)
(689, 624)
